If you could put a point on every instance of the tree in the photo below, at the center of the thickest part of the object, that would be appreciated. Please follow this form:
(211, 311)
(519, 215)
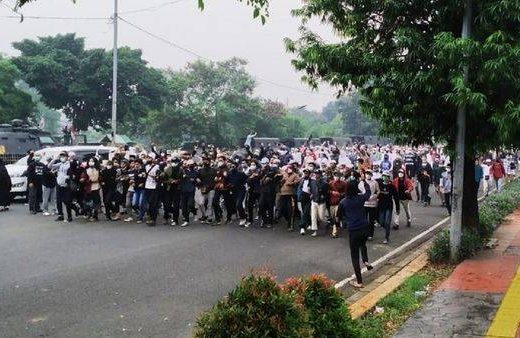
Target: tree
(79, 81)
(47, 118)
(208, 100)
(353, 120)
(14, 103)
(406, 58)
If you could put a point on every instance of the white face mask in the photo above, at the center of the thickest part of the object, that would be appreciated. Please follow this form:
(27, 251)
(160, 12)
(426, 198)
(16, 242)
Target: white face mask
(401, 175)
(109, 167)
(63, 159)
(91, 164)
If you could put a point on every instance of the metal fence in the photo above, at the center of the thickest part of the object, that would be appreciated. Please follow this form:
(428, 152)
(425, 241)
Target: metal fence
(11, 158)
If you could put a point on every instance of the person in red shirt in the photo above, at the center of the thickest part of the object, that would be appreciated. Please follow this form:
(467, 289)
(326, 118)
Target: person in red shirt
(498, 171)
(404, 187)
(337, 190)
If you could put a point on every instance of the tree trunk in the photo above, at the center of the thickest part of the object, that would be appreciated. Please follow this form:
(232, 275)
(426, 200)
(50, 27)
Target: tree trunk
(470, 217)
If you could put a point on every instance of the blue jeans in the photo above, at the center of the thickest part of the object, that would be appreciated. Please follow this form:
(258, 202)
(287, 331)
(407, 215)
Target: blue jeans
(137, 199)
(385, 219)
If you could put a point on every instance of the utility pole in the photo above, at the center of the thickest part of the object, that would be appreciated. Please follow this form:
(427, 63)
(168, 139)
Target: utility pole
(114, 78)
(460, 151)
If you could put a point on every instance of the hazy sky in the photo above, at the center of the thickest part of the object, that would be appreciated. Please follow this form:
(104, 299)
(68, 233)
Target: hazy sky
(223, 30)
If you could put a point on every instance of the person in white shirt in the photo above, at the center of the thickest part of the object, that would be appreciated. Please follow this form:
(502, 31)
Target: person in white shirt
(150, 198)
(485, 172)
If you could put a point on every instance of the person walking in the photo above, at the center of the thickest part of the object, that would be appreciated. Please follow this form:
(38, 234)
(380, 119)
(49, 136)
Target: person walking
(337, 191)
(5, 187)
(424, 177)
(387, 198)
(446, 188)
(206, 186)
(404, 187)
(90, 179)
(63, 180)
(371, 203)
(352, 214)
(319, 195)
(48, 188)
(498, 172)
(290, 181)
(304, 197)
(189, 180)
(486, 168)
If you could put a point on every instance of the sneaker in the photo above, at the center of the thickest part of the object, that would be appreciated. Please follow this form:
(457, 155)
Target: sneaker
(370, 238)
(69, 219)
(290, 229)
(314, 234)
(129, 219)
(269, 226)
(302, 231)
(242, 222)
(46, 213)
(59, 219)
(355, 284)
(247, 225)
(368, 266)
(385, 241)
(395, 227)
(209, 220)
(173, 223)
(185, 224)
(66, 221)
(139, 221)
(409, 223)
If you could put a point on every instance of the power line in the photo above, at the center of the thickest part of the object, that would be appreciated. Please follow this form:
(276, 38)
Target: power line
(53, 17)
(173, 44)
(152, 8)
(20, 15)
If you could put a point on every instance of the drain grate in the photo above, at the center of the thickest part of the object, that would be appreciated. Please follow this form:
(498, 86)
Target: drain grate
(513, 250)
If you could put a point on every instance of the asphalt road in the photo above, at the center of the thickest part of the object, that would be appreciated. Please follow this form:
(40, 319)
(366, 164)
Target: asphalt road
(114, 279)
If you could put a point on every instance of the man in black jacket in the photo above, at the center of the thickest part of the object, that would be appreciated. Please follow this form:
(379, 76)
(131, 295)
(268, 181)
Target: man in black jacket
(388, 196)
(109, 185)
(319, 195)
(206, 185)
(35, 173)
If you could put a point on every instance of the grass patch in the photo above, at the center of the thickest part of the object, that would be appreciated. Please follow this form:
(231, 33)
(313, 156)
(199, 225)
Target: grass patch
(401, 303)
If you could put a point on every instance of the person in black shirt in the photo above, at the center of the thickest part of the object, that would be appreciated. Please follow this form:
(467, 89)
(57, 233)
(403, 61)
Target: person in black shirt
(109, 184)
(48, 188)
(5, 187)
(388, 196)
(35, 172)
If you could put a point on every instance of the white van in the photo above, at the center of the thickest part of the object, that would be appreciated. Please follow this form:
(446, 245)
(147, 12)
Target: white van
(17, 169)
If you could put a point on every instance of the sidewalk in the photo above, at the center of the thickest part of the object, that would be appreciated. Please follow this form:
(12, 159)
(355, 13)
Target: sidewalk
(481, 298)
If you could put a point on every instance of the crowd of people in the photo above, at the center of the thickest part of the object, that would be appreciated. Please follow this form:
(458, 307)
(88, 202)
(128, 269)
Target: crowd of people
(313, 187)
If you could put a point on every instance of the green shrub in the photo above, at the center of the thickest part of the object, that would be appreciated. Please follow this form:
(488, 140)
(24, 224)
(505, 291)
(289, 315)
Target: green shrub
(257, 307)
(327, 311)
(491, 213)
(439, 252)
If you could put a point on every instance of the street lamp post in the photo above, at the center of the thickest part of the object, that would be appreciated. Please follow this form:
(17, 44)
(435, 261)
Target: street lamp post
(114, 78)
